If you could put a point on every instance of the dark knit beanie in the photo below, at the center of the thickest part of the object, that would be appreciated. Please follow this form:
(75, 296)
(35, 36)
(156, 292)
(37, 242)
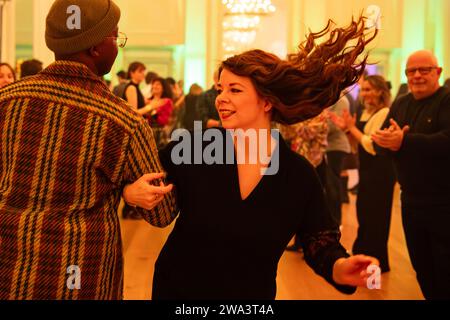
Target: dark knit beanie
(98, 18)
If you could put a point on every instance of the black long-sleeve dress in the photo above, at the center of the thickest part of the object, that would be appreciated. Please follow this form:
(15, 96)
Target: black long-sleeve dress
(223, 247)
(374, 203)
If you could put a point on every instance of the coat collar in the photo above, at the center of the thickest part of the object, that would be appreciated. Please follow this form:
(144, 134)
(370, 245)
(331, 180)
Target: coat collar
(71, 69)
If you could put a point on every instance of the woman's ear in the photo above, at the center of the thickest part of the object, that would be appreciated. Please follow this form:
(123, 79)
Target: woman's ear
(267, 105)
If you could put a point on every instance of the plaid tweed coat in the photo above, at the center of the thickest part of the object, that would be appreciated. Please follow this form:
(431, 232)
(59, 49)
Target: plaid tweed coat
(67, 148)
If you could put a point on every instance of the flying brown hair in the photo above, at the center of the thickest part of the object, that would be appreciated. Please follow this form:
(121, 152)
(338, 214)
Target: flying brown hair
(311, 80)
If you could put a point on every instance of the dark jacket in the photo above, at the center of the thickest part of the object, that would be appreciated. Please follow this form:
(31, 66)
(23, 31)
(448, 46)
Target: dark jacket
(423, 161)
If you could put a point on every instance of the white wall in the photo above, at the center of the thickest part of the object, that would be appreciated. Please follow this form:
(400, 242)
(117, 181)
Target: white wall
(153, 23)
(272, 34)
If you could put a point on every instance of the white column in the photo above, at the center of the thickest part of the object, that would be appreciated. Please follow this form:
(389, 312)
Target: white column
(437, 32)
(296, 26)
(314, 15)
(8, 45)
(40, 50)
(214, 39)
(196, 42)
(413, 35)
(446, 43)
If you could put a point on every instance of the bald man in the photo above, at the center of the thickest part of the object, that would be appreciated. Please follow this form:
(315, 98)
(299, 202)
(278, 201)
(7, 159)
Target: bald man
(417, 135)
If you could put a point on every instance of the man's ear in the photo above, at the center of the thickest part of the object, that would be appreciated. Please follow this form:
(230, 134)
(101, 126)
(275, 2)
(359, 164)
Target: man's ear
(94, 52)
(439, 71)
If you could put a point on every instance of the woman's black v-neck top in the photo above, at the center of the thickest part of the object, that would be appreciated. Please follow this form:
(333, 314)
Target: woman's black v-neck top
(223, 247)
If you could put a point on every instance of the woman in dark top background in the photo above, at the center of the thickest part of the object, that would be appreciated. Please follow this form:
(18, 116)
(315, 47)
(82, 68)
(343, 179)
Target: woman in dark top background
(132, 93)
(376, 172)
(236, 218)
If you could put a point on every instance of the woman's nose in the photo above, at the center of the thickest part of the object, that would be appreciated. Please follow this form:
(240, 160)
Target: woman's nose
(221, 97)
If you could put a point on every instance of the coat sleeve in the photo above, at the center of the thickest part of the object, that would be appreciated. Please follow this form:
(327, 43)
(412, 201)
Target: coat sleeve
(142, 158)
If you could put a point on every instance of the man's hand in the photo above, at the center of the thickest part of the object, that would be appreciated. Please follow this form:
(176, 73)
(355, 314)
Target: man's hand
(352, 271)
(391, 138)
(143, 194)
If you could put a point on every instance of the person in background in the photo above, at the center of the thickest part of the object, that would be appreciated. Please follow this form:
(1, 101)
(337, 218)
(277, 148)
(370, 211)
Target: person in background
(181, 86)
(178, 105)
(108, 84)
(189, 112)
(376, 171)
(309, 139)
(119, 89)
(30, 68)
(350, 160)
(206, 105)
(7, 74)
(447, 83)
(159, 110)
(416, 134)
(177, 92)
(402, 90)
(147, 90)
(133, 94)
(338, 148)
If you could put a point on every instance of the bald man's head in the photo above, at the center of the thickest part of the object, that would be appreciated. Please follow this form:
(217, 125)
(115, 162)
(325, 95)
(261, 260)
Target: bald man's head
(423, 74)
(424, 55)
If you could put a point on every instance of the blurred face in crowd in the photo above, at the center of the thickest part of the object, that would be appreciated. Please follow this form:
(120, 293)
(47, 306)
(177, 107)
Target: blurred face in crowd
(6, 76)
(157, 89)
(176, 90)
(369, 94)
(423, 74)
(196, 91)
(138, 76)
(239, 105)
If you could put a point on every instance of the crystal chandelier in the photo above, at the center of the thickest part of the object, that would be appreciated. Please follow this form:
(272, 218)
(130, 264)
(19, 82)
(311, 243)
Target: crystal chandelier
(241, 21)
(249, 6)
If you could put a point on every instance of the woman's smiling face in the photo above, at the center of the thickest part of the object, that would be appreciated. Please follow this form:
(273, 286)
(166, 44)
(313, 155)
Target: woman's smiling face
(238, 103)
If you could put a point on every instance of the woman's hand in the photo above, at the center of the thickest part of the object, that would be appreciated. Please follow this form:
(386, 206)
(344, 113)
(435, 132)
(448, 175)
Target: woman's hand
(152, 107)
(338, 121)
(349, 120)
(352, 271)
(143, 194)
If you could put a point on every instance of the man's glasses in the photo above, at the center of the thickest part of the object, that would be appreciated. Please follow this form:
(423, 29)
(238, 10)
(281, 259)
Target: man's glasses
(422, 70)
(121, 39)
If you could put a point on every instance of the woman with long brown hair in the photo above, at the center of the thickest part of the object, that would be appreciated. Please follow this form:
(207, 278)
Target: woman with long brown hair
(237, 216)
(376, 172)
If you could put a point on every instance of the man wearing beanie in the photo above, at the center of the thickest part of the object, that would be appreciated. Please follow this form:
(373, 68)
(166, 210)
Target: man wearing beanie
(69, 150)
